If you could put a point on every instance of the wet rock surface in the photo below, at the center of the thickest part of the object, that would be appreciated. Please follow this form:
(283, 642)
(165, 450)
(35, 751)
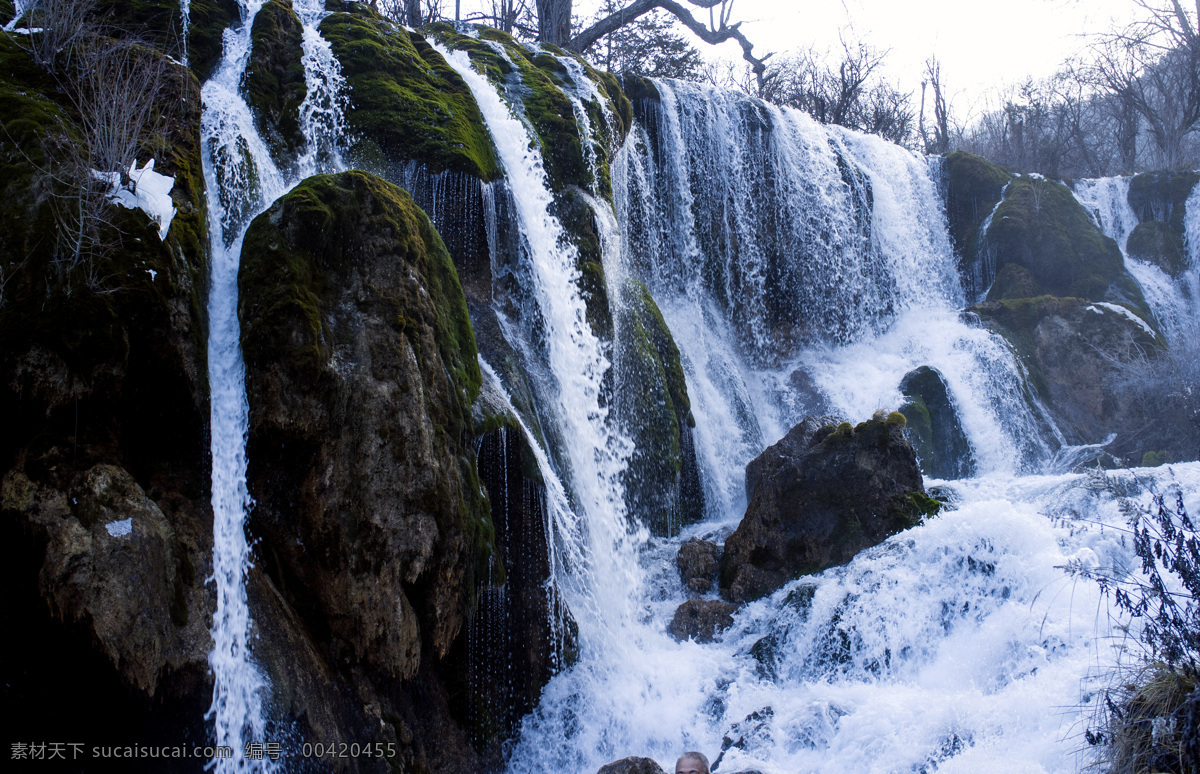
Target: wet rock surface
(933, 427)
(702, 620)
(820, 497)
(698, 561)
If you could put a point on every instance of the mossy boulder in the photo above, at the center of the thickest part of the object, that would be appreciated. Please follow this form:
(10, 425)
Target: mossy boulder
(1156, 242)
(274, 85)
(1070, 348)
(406, 102)
(973, 186)
(1041, 227)
(851, 487)
(206, 33)
(662, 481)
(156, 22)
(933, 427)
(353, 316)
(1162, 196)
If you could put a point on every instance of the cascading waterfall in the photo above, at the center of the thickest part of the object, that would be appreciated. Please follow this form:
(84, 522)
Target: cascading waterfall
(243, 180)
(19, 9)
(1174, 301)
(185, 22)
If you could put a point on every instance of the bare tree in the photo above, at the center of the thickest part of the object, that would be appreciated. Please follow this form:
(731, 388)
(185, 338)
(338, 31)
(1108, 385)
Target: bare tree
(848, 94)
(1152, 67)
(940, 142)
(60, 26)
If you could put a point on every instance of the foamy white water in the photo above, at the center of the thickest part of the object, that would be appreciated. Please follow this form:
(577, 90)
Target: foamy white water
(242, 180)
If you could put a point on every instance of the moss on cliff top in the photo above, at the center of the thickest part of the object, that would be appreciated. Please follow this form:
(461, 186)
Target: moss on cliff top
(973, 186)
(407, 103)
(1043, 228)
(288, 279)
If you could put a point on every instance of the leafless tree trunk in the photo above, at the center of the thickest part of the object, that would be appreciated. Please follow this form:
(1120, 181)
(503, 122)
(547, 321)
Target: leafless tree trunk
(554, 22)
(940, 142)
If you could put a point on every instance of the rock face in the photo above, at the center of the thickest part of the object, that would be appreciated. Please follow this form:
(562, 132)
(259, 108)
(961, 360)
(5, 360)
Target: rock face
(1069, 347)
(698, 561)
(632, 765)
(932, 425)
(836, 491)
(103, 457)
(1156, 242)
(361, 372)
(973, 187)
(701, 619)
(663, 481)
(274, 85)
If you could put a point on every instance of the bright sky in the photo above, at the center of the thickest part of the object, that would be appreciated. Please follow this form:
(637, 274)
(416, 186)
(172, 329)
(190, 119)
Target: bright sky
(982, 45)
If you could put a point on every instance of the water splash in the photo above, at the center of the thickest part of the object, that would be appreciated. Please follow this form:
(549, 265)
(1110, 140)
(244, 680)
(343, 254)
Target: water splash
(242, 180)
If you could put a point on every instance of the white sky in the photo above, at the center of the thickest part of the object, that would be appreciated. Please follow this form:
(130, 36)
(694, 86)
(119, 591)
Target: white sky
(983, 46)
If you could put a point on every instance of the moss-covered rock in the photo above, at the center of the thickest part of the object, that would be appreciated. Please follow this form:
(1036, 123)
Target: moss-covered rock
(662, 482)
(156, 22)
(1162, 196)
(933, 426)
(406, 103)
(206, 33)
(353, 315)
(973, 187)
(1157, 242)
(828, 495)
(1043, 228)
(274, 85)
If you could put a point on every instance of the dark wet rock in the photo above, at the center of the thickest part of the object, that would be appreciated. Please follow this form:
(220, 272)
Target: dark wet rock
(933, 426)
(1156, 242)
(209, 18)
(1162, 196)
(274, 85)
(632, 765)
(850, 488)
(972, 187)
(701, 620)
(783, 453)
(698, 561)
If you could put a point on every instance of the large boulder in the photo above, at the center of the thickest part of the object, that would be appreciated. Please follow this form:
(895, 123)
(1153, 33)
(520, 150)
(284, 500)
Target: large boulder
(701, 620)
(1155, 241)
(1162, 196)
(361, 373)
(845, 489)
(1071, 350)
(933, 427)
(1043, 229)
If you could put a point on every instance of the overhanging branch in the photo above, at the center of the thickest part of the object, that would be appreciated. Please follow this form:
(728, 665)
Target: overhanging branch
(712, 35)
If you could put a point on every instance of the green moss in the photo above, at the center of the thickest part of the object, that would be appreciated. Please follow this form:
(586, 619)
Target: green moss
(287, 278)
(973, 186)
(896, 419)
(274, 85)
(1043, 228)
(912, 508)
(657, 410)
(407, 102)
(7, 10)
(209, 18)
(1153, 459)
(1157, 242)
(156, 22)
(1014, 281)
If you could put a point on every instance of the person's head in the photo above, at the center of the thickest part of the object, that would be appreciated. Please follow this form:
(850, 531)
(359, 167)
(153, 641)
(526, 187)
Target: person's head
(692, 763)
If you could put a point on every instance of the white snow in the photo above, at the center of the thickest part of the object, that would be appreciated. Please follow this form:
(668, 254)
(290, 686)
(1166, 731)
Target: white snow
(119, 528)
(1122, 311)
(148, 191)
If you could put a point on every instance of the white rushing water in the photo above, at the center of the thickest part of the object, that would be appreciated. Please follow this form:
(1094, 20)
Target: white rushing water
(243, 180)
(1174, 301)
(599, 548)
(185, 23)
(961, 645)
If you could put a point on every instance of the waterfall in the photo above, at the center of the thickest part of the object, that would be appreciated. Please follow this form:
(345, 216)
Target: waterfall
(242, 180)
(1174, 301)
(185, 21)
(19, 9)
